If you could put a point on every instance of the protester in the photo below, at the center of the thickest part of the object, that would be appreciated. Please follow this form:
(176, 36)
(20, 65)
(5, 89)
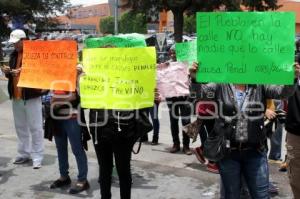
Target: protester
(62, 123)
(275, 129)
(153, 111)
(204, 111)
(154, 117)
(179, 106)
(114, 133)
(292, 127)
(27, 107)
(238, 142)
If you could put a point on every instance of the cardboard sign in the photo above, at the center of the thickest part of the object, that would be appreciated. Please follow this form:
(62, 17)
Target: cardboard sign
(186, 51)
(49, 65)
(118, 78)
(246, 47)
(172, 80)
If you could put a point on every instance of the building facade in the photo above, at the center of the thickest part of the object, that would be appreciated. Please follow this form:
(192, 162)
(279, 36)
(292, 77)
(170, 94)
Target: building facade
(292, 6)
(86, 15)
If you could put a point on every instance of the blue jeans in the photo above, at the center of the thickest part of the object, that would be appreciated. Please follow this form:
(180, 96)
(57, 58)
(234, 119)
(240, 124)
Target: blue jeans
(253, 165)
(276, 143)
(70, 129)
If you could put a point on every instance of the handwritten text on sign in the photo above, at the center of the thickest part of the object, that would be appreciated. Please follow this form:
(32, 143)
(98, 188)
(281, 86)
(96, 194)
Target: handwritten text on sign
(246, 47)
(49, 65)
(118, 78)
(186, 51)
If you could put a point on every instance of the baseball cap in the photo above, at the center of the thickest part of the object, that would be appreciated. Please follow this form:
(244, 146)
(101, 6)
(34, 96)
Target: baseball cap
(16, 36)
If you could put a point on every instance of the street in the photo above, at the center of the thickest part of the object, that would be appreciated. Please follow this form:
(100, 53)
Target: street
(157, 174)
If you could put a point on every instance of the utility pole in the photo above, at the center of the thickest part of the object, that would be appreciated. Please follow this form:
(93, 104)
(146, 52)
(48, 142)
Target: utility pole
(116, 16)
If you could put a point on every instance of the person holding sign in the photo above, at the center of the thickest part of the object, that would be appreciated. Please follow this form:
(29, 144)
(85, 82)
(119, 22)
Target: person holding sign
(237, 141)
(27, 107)
(63, 124)
(115, 128)
(173, 85)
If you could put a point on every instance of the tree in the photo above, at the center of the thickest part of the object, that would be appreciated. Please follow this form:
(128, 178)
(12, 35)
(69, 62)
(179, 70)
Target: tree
(189, 25)
(133, 22)
(179, 7)
(129, 22)
(41, 12)
(107, 25)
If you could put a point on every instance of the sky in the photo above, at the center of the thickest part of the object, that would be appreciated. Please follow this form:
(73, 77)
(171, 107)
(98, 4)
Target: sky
(87, 2)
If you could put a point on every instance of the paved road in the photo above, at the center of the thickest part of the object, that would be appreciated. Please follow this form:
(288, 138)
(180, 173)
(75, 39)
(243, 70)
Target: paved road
(157, 174)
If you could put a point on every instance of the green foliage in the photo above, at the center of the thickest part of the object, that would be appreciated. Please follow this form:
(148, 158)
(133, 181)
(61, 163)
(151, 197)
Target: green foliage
(129, 22)
(261, 5)
(179, 7)
(107, 25)
(189, 25)
(40, 12)
(132, 22)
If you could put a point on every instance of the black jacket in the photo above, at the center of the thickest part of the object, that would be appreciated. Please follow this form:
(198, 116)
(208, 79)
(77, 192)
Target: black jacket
(107, 124)
(227, 123)
(27, 93)
(292, 124)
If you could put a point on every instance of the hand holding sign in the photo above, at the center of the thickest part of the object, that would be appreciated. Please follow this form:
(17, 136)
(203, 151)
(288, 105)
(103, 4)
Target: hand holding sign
(49, 65)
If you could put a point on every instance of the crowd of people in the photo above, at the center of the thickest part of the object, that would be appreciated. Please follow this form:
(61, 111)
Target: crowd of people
(233, 141)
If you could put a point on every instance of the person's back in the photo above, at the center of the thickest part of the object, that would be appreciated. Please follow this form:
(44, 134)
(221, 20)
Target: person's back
(292, 127)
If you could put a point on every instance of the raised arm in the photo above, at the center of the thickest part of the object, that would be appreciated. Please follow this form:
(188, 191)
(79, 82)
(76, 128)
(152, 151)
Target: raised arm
(202, 91)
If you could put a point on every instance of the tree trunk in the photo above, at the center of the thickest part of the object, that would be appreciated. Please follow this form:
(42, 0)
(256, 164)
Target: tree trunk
(178, 24)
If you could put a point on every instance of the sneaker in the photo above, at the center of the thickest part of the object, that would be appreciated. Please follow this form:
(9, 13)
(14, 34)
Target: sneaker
(283, 167)
(186, 150)
(60, 183)
(21, 160)
(79, 187)
(213, 168)
(175, 148)
(198, 151)
(37, 165)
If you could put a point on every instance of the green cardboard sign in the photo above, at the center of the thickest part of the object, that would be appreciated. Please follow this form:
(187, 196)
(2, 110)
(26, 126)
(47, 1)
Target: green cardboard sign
(246, 47)
(120, 41)
(186, 51)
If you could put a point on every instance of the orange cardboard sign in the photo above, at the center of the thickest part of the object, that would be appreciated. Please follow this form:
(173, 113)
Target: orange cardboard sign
(49, 65)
